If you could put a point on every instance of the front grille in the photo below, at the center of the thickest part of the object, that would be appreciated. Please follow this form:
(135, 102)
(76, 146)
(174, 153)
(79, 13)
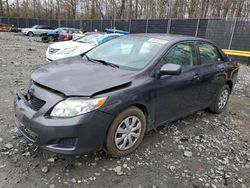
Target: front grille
(36, 104)
(53, 50)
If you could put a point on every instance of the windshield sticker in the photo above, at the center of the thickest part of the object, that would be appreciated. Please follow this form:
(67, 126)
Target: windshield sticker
(159, 41)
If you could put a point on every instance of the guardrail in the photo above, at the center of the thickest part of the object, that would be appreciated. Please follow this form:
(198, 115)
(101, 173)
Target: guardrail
(238, 53)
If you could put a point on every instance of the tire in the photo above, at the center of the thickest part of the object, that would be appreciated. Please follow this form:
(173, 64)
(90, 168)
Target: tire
(30, 34)
(51, 39)
(220, 103)
(128, 122)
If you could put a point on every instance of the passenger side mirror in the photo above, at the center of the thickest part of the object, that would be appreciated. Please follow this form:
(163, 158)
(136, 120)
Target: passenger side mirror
(170, 69)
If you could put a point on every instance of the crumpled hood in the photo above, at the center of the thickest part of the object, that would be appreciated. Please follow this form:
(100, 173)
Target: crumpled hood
(70, 44)
(77, 77)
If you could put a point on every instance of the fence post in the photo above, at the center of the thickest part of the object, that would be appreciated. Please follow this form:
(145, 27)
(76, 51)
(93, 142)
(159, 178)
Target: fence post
(17, 23)
(101, 24)
(232, 34)
(197, 27)
(26, 22)
(146, 26)
(129, 26)
(169, 26)
(91, 25)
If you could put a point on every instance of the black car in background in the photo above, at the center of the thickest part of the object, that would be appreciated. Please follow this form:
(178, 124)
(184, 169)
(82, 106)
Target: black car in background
(110, 96)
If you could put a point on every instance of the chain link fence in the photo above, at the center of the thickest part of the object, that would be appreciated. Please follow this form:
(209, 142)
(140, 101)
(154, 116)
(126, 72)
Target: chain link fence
(230, 33)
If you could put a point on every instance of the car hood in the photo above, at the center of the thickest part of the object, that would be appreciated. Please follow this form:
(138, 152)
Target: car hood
(78, 77)
(69, 44)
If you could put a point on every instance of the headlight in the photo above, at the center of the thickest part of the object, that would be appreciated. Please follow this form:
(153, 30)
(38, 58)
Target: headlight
(67, 50)
(76, 105)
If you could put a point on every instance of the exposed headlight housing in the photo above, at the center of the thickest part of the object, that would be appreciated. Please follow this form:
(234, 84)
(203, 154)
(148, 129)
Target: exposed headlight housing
(77, 105)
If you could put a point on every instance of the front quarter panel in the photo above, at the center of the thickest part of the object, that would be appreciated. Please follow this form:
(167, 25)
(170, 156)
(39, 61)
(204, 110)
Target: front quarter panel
(139, 93)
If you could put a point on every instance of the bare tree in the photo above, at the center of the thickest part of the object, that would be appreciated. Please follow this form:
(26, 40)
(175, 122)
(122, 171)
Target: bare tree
(123, 9)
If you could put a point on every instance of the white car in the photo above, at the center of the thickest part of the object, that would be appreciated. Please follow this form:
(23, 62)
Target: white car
(77, 35)
(76, 47)
(37, 30)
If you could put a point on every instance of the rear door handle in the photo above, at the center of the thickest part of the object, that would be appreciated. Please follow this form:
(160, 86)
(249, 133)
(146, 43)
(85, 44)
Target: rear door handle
(196, 77)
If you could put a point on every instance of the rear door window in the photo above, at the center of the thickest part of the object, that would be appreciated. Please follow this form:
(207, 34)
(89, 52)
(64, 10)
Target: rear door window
(208, 53)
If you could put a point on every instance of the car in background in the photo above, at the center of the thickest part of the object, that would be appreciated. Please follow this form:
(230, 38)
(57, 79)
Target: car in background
(116, 31)
(108, 31)
(54, 35)
(76, 47)
(78, 35)
(112, 95)
(68, 34)
(37, 30)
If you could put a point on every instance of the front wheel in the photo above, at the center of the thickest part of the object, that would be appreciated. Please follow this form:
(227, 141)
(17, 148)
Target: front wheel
(30, 34)
(220, 103)
(126, 132)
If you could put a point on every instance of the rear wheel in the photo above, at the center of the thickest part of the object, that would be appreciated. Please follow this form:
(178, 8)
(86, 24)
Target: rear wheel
(31, 34)
(126, 132)
(51, 39)
(221, 100)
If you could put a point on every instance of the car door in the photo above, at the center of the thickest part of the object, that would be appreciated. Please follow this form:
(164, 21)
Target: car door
(36, 30)
(176, 95)
(44, 29)
(212, 71)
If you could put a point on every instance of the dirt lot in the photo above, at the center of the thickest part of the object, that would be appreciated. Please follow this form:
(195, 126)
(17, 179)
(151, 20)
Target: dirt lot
(202, 150)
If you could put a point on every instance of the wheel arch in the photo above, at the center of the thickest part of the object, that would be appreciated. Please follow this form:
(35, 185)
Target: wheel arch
(145, 111)
(230, 84)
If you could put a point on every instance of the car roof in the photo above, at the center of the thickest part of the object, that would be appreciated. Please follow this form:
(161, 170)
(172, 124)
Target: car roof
(111, 34)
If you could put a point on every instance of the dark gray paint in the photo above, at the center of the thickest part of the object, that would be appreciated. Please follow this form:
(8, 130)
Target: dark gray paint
(162, 98)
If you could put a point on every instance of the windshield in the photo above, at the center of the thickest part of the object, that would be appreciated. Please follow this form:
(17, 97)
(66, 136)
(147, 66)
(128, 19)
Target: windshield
(60, 29)
(33, 27)
(130, 52)
(88, 38)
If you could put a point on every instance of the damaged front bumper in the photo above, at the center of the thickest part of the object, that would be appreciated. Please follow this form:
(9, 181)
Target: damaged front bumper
(80, 134)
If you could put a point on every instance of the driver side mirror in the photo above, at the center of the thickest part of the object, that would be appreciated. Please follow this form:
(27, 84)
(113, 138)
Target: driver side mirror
(170, 69)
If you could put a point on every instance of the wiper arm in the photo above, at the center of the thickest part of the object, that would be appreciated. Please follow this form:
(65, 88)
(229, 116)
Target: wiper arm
(104, 62)
(89, 59)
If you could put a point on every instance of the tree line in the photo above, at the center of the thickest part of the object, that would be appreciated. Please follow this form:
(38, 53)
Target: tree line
(124, 9)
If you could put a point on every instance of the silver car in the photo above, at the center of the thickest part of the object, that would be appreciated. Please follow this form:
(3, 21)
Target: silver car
(37, 30)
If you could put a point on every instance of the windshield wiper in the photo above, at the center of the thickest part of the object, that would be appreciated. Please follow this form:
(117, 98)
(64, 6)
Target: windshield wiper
(102, 62)
(106, 63)
(89, 59)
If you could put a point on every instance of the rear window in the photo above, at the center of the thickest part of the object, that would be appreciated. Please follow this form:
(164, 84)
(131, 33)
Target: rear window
(208, 53)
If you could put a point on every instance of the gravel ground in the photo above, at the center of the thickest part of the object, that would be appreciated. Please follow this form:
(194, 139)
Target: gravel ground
(202, 150)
